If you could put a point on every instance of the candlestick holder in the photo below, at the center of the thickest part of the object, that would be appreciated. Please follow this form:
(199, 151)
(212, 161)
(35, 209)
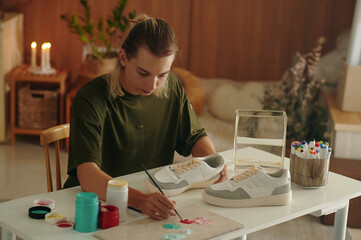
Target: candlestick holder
(39, 70)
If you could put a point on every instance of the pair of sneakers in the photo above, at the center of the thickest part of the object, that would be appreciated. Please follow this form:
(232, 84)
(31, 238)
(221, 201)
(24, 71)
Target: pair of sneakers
(254, 187)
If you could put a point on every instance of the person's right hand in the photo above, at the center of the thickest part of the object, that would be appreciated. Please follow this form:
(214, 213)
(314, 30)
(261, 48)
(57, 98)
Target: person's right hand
(157, 206)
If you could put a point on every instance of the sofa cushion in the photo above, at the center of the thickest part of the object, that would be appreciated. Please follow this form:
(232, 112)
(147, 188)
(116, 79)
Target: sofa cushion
(193, 88)
(226, 98)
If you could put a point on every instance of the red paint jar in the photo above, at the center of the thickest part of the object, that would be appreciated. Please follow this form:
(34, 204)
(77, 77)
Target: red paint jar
(108, 216)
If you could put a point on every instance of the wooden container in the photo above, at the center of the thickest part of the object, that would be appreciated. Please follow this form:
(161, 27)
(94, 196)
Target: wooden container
(37, 109)
(310, 173)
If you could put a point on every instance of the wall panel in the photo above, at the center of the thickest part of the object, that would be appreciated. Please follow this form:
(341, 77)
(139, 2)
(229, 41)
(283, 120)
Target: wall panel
(256, 40)
(42, 23)
(237, 39)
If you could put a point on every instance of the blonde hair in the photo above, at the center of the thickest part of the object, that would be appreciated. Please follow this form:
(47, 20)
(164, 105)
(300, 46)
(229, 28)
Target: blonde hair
(154, 34)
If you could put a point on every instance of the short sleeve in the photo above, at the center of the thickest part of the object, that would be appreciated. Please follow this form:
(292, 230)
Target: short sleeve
(85, 132)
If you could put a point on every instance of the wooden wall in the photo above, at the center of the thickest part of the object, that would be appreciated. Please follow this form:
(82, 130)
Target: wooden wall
(237, 39)
(255, 40)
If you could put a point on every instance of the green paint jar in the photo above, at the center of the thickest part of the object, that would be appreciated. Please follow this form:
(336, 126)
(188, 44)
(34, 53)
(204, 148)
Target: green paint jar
(86, 212)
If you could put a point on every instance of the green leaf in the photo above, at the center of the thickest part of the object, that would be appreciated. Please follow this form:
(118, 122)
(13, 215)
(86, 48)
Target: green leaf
(125, 23)
(100, 24)
(75, 19)
(82, 24)
(87, 29)
(111, 23)
(84, 2)
(96, 52)
(84, 38)
(116, 14)
(101, 30)
(132, 15)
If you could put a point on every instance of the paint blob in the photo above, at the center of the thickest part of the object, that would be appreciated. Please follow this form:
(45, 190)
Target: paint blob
(188, 231)
(40, 211)
(174, 236)
(64, 224)
(187, 221)
(200, 220)
(171, 226)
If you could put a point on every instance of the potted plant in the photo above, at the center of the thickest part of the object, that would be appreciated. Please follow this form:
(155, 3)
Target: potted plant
(298, 94)
(99, 38)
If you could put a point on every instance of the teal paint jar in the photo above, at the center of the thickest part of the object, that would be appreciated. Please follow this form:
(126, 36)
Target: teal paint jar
(86, 212)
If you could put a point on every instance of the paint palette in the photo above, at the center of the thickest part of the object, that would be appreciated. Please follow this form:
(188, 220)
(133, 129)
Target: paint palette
(148, 228)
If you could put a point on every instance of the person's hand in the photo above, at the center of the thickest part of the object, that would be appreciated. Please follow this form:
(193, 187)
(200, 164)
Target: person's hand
(157, 206)
(223, 176)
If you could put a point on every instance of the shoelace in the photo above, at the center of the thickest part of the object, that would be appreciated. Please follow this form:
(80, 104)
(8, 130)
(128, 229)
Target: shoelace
(246, 174)
(183, 167)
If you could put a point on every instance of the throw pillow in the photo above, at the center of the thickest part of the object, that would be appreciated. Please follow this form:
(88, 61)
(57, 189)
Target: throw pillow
(192, 87)
(226, 98)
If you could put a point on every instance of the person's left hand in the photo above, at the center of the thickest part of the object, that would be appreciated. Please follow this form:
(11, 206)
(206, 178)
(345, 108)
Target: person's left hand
(223, 176)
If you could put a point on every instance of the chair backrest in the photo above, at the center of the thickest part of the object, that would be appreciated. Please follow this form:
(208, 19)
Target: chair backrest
(53, 134)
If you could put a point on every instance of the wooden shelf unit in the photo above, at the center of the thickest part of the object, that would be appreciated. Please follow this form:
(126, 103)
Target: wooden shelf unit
(22, 75)
(346, 130)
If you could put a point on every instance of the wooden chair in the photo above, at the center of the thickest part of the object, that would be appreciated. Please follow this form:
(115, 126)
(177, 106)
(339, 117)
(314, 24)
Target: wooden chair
(54, 134)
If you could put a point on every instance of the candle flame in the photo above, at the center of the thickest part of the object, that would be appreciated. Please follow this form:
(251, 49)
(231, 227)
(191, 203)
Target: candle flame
(46, 45)
(33, 45)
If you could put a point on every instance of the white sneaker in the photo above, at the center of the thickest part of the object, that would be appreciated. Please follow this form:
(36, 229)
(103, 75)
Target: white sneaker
(194, 173)
(254, 187)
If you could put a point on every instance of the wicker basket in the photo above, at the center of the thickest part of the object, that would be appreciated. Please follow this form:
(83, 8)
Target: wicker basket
(37, 109)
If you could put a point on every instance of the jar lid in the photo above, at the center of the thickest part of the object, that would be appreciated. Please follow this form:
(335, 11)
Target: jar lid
(108, 210)
(118, 184)
(46, 202)
(38, 212)
(87, 198)
(54, 217)
(65, 225)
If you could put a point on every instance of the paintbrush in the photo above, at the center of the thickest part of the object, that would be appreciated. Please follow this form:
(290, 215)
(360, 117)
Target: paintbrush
(160, 190)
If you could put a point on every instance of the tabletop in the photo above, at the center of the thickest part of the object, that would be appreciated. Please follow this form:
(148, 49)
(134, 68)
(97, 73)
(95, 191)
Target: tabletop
(334, 196)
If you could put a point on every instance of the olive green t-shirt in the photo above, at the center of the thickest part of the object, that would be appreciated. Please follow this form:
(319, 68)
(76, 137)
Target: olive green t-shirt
(119, 133)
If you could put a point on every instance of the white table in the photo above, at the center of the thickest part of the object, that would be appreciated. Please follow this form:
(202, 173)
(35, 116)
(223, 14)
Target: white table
(332, 198)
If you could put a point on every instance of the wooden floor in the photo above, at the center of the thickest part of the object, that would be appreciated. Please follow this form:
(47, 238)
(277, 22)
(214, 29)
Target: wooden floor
(22, 168)
(22, 173)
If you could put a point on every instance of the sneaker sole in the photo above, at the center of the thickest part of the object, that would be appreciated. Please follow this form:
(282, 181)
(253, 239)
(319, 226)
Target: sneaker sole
(177, 191)
(275, 200)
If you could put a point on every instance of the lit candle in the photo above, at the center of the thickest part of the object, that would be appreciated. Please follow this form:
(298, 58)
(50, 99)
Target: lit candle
(48, 66)
(43, 56)
(33, 55)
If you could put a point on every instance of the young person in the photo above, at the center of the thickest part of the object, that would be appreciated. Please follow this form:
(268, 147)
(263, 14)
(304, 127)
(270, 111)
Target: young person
(139, 113)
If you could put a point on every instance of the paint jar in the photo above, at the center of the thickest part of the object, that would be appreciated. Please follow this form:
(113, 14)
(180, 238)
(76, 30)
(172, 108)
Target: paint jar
(309, 163)
(64, 225)
(47, 202)
(86, 212)
(108, 216)
(38, 212)
(117, 195)
(54, 217)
